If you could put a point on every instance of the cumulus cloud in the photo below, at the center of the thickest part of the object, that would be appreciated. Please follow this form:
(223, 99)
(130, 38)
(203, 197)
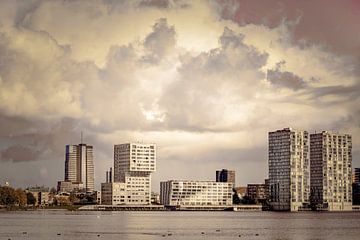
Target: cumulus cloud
(160, 41)
(285, 79)
(191, 76)
(205, 97)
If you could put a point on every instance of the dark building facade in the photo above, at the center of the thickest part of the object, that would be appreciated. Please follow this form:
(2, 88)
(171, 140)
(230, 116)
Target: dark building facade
(225, 176)
(356, 188)
(257, 193)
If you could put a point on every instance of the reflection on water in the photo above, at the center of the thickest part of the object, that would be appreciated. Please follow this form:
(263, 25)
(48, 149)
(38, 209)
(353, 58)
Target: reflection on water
(49, 224)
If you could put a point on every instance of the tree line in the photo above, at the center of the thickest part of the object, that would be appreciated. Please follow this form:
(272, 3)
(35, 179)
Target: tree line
(15, 197)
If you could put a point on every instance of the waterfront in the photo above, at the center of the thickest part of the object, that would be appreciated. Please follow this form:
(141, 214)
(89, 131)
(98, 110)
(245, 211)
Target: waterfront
(50, 224)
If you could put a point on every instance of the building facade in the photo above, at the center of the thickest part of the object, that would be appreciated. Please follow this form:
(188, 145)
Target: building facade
(41, 195)
(195, 193)
(113, 193)
(133, 165)
(225, 175)
(64, 186)
(356, 187)
(256, 193)
(79, 166)
(289, 177)
(331, 171)
(357, 175)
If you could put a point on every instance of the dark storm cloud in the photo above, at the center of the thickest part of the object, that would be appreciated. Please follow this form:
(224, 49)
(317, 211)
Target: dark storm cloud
(330, 23)
(285, 79)
(18, 153)
(32, 140)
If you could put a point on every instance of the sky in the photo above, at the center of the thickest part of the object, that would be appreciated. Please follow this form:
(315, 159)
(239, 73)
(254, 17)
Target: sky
(204, 80)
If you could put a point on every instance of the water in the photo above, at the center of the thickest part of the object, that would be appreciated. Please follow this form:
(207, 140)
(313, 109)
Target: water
(50, 224)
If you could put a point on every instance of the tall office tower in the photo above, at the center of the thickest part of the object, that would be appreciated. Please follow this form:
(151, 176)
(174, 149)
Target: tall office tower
(79, 165)
(133, 165)
(331, 172)
(225, 176)
(288, 169)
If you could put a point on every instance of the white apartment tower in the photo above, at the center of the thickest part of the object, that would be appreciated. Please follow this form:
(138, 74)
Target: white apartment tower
(330, 171)
(289, 178)
(133, 165)
(79, 165)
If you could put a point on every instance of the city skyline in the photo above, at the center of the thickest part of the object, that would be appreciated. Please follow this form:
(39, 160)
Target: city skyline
(205, 80)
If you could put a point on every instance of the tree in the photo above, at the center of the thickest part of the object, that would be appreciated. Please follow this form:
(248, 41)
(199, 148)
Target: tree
(21, 197)
(7, 196)
(31, 200)
(236, 199)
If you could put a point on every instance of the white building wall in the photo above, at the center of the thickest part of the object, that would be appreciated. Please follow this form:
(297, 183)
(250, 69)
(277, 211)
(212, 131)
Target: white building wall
(133, 165)
(331, 171)
(289, 177)
(195, 193)
(113, 193)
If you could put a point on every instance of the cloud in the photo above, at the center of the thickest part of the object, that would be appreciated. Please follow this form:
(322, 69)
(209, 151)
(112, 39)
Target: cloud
(309, 25)
(198, 78)
(285, 79)
(205, 96)
(160, 41)
(18, 153)
(166, 4)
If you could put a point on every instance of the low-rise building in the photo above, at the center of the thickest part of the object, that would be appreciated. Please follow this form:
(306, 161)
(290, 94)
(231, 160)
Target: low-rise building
(195, 193)
(113, 193)
(256, 192)
(68, 187)
(155, 198)
(41, 195)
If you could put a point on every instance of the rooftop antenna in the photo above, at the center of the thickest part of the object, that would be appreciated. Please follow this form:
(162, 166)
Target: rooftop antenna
(81, 137)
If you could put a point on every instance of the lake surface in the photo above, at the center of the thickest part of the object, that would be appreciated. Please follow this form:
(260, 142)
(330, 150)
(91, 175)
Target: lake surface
(51, 224)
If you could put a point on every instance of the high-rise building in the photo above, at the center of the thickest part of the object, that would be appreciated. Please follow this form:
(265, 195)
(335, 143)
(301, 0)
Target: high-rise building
(357, 175)
(195, 193)
(79, 166)
(289, 178)
(133, 165)
(331, 171)
(225, 175)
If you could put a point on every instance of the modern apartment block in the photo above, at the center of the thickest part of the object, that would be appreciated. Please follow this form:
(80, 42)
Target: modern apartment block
(195, 193)
(289, 178)
(133, 165)
(225, 175)
(331, 171)
(79, 168)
